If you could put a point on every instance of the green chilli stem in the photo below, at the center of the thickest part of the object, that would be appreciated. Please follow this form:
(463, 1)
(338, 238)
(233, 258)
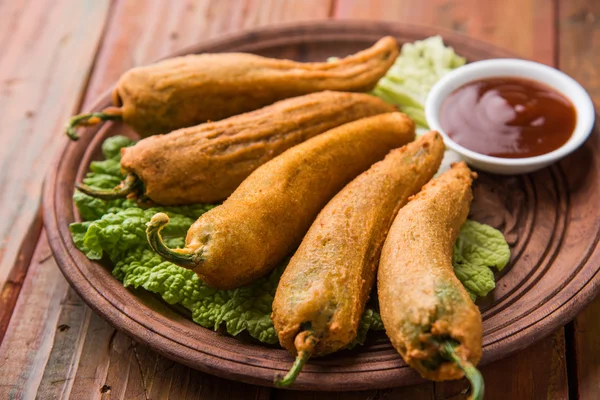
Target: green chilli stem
(129, 185)
(301, 359)
(293, 373)
(471, 372)
(109, 114)
(159, 221)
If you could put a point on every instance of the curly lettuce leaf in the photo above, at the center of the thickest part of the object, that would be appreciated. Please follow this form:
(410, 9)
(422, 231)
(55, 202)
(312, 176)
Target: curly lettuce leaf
(116, 233)
(247, 308)
(478, 249)
(418, 67)
(104, 174)
(370, 320)
(111, 147)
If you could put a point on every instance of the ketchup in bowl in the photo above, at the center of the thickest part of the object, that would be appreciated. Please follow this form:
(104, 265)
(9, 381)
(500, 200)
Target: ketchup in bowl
(508, 117)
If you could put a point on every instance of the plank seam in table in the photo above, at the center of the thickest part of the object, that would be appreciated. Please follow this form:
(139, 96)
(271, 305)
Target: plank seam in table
(572, 26)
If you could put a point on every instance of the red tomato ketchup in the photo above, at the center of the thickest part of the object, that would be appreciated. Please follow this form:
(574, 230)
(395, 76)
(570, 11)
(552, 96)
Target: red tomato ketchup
(508, 117)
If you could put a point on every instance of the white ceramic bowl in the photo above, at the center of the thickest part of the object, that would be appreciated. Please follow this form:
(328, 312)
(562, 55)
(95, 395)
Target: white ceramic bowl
(518, 68)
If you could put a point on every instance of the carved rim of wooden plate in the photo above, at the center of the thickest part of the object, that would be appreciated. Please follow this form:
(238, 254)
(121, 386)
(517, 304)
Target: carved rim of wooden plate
(549, 218)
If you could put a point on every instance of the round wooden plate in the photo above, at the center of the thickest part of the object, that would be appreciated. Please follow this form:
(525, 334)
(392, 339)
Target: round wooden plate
(550, 219)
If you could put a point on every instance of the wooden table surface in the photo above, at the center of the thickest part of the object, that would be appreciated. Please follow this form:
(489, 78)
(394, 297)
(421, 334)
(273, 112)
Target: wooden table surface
(57, 56)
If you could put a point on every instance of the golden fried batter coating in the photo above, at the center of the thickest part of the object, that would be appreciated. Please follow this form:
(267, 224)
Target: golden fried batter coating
(268, 214)
(206, 163)
(329, 278)
(189, 90)
(422, 302)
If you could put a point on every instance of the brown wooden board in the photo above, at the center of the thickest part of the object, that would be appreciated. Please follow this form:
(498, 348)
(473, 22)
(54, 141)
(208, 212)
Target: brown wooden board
(47, 52)
(579, 56)
(524, 27)
(547, 217)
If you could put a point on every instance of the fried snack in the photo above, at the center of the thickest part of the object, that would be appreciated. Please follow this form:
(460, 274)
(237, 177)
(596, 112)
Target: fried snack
(193, 89)
(268, 214)
(428, 315)
(206, 163)
(323, 291)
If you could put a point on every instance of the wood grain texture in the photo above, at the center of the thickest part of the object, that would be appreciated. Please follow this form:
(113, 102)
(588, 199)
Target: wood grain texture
(29, 340)
(417, 392)
(48, 49)
(14, 281)
(526, 28)
(68, 353)
(579, 41)
(178, 24)
(123, 369)
(61, 366)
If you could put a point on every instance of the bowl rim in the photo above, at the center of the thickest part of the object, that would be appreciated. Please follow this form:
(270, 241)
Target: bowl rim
(584, 107)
